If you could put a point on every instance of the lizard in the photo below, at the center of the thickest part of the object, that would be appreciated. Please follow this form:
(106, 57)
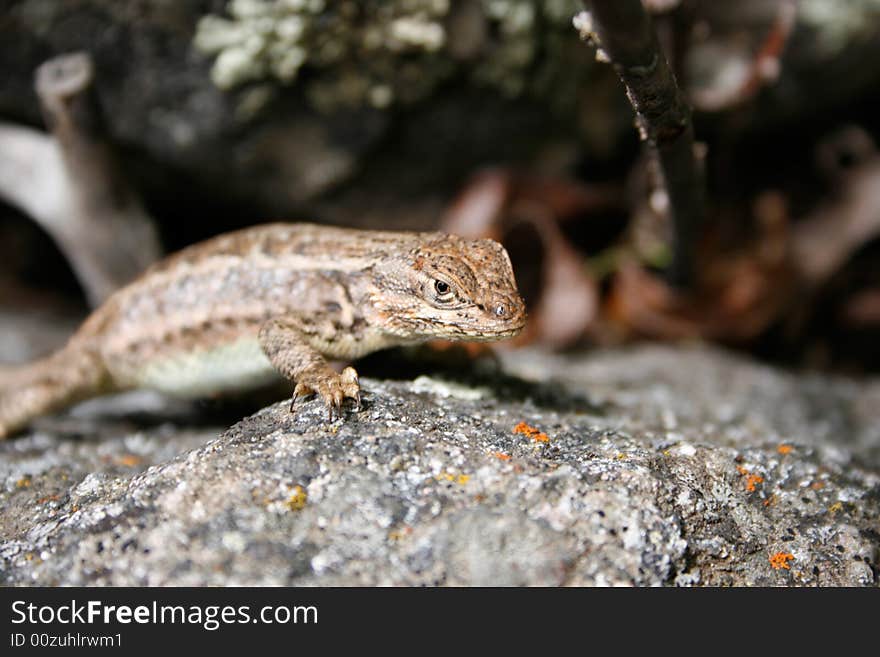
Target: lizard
(234, 312)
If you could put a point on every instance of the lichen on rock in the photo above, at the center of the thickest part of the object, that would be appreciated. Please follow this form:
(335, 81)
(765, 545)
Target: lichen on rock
(378, 53)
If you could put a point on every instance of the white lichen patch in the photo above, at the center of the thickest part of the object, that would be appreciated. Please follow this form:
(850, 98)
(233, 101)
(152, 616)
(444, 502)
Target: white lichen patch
(274, 39)
(381, 52)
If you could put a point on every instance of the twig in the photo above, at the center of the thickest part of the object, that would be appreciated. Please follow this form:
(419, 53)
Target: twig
(623, 35)
(71, 185)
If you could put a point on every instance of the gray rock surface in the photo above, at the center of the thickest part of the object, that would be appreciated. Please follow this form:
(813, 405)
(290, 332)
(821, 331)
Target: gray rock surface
(661, 466)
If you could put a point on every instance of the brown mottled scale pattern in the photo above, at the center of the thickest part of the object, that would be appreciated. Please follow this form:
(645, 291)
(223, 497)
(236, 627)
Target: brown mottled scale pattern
(239, 309)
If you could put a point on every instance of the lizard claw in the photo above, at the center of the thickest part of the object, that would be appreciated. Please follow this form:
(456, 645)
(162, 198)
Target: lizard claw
(332, 387)
(334, 404)
(301, 390)
(351, 386)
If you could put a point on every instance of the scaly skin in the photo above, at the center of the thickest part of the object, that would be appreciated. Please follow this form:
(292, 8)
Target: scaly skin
(232, 312)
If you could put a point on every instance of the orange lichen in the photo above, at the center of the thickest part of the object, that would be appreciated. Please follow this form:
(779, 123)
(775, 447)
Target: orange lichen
(780, 560)
(531, 432)
(298, 499)
(785, 449)
(24, 482)
(770, 500)
(502, 456)
(129, 460)
(817, 485)
(752, 480)
(837, 507)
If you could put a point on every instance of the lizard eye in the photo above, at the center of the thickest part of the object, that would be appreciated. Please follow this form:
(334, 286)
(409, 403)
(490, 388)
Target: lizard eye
(442, 288)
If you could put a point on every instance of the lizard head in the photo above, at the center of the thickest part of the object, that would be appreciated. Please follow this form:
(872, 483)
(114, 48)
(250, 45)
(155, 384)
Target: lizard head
(452, 288)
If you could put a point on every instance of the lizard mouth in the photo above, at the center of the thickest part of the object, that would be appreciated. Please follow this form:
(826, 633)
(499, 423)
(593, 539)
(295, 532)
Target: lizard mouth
(501, 331)
(502, 334)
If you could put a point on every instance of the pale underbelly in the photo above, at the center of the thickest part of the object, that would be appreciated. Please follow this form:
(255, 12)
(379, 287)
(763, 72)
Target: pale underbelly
(235, 366)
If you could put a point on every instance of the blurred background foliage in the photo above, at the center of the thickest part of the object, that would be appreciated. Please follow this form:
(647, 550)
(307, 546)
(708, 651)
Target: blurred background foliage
(491, 117)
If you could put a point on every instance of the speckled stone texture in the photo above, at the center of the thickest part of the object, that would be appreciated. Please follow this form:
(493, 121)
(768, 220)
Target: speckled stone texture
(651, 466)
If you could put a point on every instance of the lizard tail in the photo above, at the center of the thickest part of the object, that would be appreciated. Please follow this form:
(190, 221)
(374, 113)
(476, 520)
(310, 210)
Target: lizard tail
(72, 374)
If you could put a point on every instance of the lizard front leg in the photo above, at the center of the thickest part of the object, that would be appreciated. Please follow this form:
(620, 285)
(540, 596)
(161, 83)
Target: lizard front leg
(286, 342)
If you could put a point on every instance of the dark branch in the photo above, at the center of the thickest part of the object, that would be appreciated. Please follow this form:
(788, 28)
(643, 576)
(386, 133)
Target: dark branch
(623, 35)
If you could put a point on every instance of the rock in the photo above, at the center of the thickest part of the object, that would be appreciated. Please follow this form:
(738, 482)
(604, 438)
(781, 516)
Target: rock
(651, 466)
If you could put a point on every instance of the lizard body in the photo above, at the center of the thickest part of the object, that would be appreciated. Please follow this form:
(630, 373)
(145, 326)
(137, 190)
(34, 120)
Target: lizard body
(235, 311)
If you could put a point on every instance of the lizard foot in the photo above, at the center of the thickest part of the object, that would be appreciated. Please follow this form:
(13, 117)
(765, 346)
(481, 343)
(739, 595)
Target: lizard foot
(332, 387)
